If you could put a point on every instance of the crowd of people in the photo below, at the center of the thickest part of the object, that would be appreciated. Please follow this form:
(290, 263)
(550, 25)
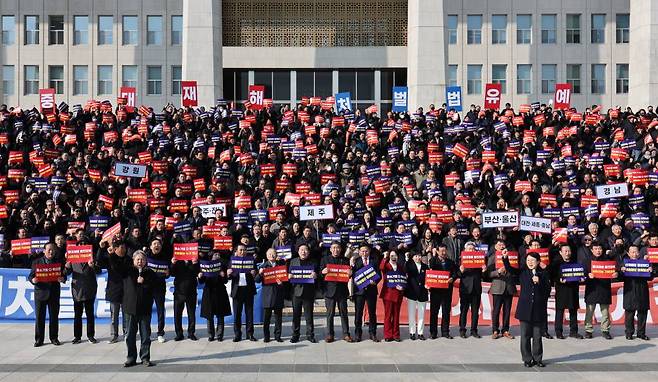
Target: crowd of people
(408, 192)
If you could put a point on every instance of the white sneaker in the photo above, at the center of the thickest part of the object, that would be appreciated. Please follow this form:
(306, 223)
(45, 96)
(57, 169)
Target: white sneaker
(161, 339)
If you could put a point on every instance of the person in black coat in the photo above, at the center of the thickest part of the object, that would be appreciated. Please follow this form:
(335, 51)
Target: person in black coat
(185, 296)
(46, 295)
(597, 292)
(113, 286)
(83, 289)
(215, 302)
(441, 298)
(531, 307)
(137, 303)
(636, 299)
(156, 252)
(303, 296)
(243, 290)
(335, 293)
(272, 296)
(566, 294)
(366, 295)
(470, 295)
(416, 295)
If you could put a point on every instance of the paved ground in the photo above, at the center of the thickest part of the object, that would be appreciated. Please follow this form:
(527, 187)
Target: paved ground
(455, 360)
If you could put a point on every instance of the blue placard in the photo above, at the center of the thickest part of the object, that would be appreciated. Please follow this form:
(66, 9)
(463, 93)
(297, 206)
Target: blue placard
(210, 268)
(98, 222)
(329, 238)
(160, 267)
(301, 274)
(400, 99)
(243, 264)
(366, 276)
(572, 272)
(637, 268)
(283, 252)
(343, 102)
(38, 244)
(394, 279)
(454, 98)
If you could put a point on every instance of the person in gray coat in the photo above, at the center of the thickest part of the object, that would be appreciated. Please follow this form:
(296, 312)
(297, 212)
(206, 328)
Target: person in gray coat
(503, 289)
(83, 288)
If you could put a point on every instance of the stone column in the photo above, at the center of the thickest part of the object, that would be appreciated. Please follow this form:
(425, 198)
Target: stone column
(202, 48)
(643, 65)
(426, 56)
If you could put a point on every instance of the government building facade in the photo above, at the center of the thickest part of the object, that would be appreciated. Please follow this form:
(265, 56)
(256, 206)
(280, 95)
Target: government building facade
(89, 49)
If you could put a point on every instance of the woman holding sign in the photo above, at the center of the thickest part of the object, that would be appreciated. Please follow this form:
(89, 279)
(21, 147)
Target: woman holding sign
(214, 301)
(416, 295)
(391, 295)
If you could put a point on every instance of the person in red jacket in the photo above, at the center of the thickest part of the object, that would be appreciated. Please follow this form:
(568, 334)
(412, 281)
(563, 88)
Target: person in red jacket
(392, 297)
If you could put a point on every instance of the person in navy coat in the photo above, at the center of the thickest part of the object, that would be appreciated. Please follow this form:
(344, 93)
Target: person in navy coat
(531, 307)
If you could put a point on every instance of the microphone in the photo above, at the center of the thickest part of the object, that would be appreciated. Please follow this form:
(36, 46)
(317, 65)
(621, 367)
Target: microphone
(534, 271)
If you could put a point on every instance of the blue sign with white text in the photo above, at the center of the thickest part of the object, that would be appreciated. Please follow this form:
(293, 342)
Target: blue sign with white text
(454, 98)
(343, 102)
(400, 99)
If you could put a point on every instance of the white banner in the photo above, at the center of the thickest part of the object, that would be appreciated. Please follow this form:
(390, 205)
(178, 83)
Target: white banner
(208, 210)
(131, 170)
(530, 224)
(609, 191)
(316, 212)
(509, 219)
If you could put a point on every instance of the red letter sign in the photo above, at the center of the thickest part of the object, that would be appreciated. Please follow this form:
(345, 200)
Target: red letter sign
(47, 100)
(492, 96)
(189, 93)
(130, 94)
(256, 96)
(562, 96)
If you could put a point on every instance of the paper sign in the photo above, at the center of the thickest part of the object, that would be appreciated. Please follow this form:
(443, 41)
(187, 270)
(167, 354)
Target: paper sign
(437, 279)
(322, 212)
(509, 219)
(186, 251)
(45, 273)
(532, 224)
(242, 264)
(272, 274)
(365, 277)
(301, 274)
(472, 259)
(637, 268)
(78, 253)
(572, 272)
(603, 269)
(609, 191)
(130, 170)
(337, 273)
(395, 279)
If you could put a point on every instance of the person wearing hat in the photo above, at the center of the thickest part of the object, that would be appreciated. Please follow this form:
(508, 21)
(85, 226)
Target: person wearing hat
(531, 307)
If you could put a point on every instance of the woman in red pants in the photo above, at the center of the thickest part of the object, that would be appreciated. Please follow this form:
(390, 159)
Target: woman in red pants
(391, 296)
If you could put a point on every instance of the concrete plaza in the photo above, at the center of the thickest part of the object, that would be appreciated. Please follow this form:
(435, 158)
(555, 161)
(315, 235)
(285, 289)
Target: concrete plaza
(442, 359)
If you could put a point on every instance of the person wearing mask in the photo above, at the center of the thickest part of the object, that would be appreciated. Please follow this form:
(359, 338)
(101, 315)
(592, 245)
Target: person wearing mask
(597, 292)
(272, 296)
(83, 290)
(441, 299)
(531, 307)
(214, 301)
(335, 293)
(636, 299)
(243, 290)
(566, 294)
(416, 295)
(367, 295)
(303, 296)
(185, 274)
(137, 304)
(46, 296)
(392, 298)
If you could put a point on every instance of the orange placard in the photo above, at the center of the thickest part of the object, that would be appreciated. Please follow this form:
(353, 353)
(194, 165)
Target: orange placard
(437, 279)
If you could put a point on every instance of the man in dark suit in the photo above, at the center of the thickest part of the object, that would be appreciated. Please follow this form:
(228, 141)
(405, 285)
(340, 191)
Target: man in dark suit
(335, 293)
(441, 298)
(46, 295)
(185, 296)
(83, 290)
(470, 295)
(531, 307)
(137, 303)
(303, 296)
(366, 295)
(416, 295)
(272, 296)
(243, 290)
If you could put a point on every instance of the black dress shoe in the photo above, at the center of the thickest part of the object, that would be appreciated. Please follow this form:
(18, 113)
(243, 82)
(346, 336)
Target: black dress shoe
(462, 334)
(475, 334)
(357, 339)
(76, 341)
(92, 340)
(179, 337)
(629, 336)
(278, 339)
(644, 337)
(540, 364)
(38, 344)
(192, 337)
(129, 364)
(421, 337)
(211, 338)
(266, 339)
(374, 338)
(448, 336)
(527, 364)
(560, 336)
(294, 340)
(433, 336)
(252, 338)
(547, 336)
(148, 363)
(55, 342)
(388, 339)
(607, 335)
(588, 335)
(312, 340)
(412, 337)
(397, 340)
(113, 340)
(237, 339)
